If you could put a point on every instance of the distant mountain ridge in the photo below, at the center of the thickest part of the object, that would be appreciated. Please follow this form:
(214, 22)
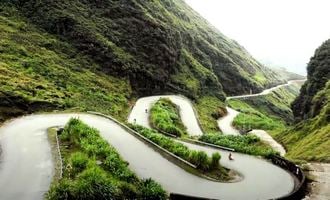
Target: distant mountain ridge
(287, 75)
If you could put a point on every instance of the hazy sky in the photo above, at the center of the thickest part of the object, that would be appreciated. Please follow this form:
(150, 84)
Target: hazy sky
(279, 32)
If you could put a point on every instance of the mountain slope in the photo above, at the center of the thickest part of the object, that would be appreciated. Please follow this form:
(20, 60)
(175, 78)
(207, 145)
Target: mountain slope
(286, 74)
(307, 105)
(38, 72)
(310, 138)
(161, 46)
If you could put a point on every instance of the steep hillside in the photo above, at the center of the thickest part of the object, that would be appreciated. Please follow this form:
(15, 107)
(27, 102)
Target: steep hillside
(284, 73)
(38, 72)
(271, 112)
(306, 105)
(310, 138)
(160, 46)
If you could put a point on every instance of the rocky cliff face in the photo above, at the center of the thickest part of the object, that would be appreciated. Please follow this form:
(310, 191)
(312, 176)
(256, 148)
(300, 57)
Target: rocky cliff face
(309, 104)
(309, 139)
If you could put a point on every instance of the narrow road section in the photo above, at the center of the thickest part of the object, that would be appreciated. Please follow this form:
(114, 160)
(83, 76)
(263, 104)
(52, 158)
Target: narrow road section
(320, 188)
(140, 112)
(226, 123)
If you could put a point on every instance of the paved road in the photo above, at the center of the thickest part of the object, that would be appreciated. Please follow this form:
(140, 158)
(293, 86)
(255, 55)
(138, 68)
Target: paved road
(26, 167)
(267, 91)
(187, 113)
(260, 182)
(225, 123)
(320, 187)
(269, 140)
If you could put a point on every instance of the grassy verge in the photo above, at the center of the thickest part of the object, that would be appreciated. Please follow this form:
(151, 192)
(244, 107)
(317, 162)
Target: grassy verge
(251, 117)
(249, 144)
(94, 170)
(271, 112)
(164, 116)
(209, 166)
(209, 109)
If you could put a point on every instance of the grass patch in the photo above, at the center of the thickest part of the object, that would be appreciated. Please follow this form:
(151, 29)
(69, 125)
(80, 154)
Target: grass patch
(248, 144)
(245, 121)
(39, 71)
(271, 112)
(210, 109)
(94, 170)
(252, 117)
(260, 78)
(205, 164)
(309, 140)
(165, 116)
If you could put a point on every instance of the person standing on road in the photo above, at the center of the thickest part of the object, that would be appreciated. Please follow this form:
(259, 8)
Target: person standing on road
(230, 157)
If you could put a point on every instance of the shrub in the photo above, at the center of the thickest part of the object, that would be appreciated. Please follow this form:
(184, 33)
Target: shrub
(78, 162)
(164, 116)
(215, 160)
(129, 191)
(249, 144)
(61, 190)
(152, 190)
(202, 161)
(94, 184)
(198, 158)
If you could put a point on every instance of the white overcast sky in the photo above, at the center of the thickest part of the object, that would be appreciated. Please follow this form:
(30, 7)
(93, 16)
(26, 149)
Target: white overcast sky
(282, 33)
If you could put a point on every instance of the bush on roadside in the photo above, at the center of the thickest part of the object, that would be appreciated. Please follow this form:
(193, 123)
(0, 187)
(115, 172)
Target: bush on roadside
(164, 116)
(78, 161)
(249, 144)
(198, 158)
(152, 190)
(215, 160)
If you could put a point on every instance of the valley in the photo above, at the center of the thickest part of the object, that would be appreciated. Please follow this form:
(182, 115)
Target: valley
(147, 100)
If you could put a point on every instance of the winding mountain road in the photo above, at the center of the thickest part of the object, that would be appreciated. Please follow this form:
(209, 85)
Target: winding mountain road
(187, 113)
(261, 178)
(26, 167)
(225, 123)
(267, 91)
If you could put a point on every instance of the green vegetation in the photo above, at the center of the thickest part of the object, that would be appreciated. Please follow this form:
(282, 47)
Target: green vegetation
(286, 74)
(307, 106)
(249, 144)
(259, 77)
(159, 45)
(40, 72)
(269, 112)
(164, 116)
(86, 55)
(252, 117)
(210, 109)
(207, 165)
(310, 139)
(94, 170)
